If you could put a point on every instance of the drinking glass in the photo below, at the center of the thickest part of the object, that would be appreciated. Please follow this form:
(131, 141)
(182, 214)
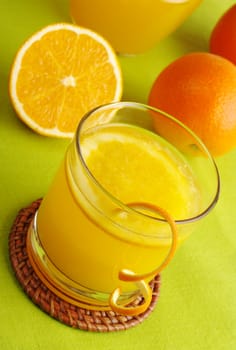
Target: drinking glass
(128, 192)
(132, 26)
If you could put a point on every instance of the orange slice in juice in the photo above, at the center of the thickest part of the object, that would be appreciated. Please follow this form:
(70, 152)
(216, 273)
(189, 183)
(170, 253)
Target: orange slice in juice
(137, 166)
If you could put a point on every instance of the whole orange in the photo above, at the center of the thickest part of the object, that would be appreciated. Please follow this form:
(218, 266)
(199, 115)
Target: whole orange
(223, 36)
(199, 89)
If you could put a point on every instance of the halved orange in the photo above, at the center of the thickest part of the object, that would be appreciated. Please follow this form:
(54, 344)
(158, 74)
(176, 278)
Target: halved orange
(59, 74)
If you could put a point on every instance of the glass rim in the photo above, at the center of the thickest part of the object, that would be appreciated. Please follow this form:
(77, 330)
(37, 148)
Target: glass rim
(142, 106)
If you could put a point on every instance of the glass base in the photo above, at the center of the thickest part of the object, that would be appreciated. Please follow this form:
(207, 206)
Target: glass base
(63, 286)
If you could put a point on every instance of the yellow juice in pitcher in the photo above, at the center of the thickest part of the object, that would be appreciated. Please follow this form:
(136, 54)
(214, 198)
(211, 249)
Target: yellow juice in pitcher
(120, 164)
(132, 26)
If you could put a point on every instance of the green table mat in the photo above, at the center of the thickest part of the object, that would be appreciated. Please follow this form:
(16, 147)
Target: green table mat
(197, 306)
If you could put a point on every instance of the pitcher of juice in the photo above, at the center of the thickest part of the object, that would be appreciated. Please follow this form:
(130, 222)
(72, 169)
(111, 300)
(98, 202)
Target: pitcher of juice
(123, 199)
(132, 26)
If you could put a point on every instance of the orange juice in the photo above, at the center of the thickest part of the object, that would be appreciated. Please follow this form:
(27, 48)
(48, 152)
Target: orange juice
(132, 26)
(86, 223)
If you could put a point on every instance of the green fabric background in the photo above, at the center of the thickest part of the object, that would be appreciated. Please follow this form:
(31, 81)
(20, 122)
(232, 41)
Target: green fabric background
(197, 307)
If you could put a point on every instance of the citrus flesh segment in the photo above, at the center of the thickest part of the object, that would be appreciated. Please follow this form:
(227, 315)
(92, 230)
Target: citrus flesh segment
(59, 74)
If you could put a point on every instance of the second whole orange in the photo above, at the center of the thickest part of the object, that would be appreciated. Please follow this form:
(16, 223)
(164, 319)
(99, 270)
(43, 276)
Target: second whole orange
(223, 36)
(199, 89)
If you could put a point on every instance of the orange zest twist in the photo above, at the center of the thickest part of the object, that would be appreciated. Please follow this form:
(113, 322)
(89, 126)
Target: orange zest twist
(130, 276)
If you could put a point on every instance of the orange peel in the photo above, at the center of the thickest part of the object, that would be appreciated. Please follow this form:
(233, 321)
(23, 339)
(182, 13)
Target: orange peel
(130, 276)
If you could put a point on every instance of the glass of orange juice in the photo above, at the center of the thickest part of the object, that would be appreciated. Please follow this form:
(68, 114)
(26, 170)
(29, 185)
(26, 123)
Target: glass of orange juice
(132, 26)
(125, 196)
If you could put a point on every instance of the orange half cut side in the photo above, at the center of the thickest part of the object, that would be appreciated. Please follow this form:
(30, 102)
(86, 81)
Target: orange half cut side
(59, 74)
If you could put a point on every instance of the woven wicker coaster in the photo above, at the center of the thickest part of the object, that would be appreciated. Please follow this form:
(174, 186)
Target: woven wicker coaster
(71, 315)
